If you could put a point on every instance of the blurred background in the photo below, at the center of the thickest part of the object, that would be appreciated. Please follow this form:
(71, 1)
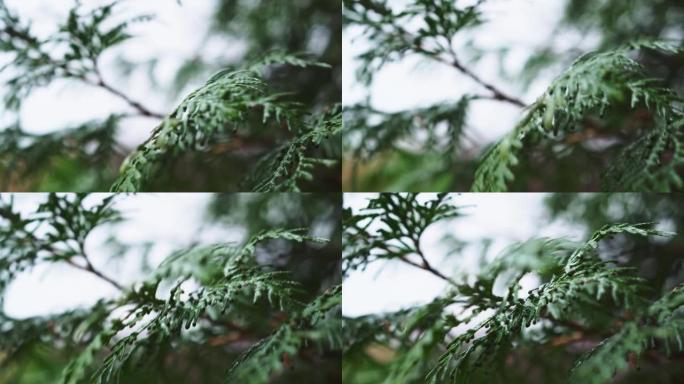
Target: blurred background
(176, 52)
(155, 225)
(521, 47)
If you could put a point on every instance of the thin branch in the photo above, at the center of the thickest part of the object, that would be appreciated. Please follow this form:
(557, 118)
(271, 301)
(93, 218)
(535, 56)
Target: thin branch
(454, 62)
(100, 82)
(428, 268)
(144, 111)
(425, 265)
(88, 267)
(497, 94)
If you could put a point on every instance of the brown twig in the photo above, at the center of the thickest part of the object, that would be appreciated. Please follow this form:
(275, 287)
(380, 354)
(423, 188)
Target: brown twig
(497, 94)
(88, 267)
(100, 82)
(144, 111)
(424, 264)
(454, 62)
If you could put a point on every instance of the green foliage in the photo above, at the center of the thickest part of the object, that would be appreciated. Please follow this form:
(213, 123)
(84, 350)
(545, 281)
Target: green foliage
(319, 322)
(220, 298)
(72, 52)
(605, 113)
(244, 114)
(220, 104)
(316, 265)
(488, 327)
(593, 83)
(659, 323)
(289, 164)
(224, 105)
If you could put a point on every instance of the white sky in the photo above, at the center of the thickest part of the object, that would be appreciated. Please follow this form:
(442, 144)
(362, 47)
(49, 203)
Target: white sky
(175, 34)
(517, 25)
(504, 218)
(170, 220)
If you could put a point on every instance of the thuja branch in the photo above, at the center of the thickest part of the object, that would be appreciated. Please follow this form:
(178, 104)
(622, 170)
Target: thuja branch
(595, 83)
(71, 51)
(637, 145)
(229, 101)
(587, 309)
(83, 38)
(439, 23)
(403, 219)
(233, 298)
